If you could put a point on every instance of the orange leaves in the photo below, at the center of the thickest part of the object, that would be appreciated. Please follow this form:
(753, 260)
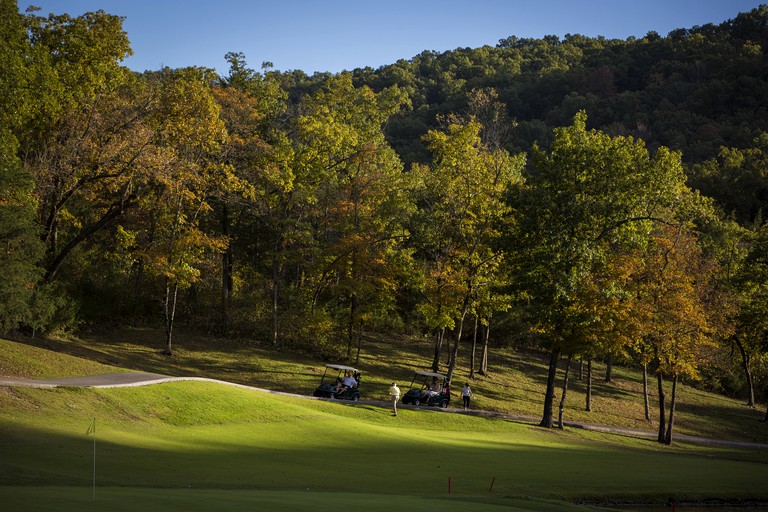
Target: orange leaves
(670, 285)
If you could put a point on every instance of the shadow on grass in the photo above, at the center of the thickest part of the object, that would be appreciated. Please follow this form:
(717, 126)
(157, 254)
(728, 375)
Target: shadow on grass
(740, 423)
(515, 385)
(318, 456)
(120, 499)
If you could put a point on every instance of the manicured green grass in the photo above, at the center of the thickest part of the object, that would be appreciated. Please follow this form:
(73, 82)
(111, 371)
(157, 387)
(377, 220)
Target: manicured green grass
(514, 386)
(209, 437)
(53, 499)
(196, 446)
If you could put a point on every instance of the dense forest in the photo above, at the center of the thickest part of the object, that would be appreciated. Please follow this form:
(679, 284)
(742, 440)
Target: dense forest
(595, 199)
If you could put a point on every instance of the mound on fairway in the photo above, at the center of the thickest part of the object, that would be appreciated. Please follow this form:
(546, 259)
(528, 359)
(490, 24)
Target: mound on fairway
(196, 435)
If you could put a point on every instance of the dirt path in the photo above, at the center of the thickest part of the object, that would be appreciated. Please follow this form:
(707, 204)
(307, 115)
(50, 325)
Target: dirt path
(133, 379)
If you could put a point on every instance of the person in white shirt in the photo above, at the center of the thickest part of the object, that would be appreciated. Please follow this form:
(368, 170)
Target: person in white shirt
(466, 393)
(346, 382)
(394, 394)
(349, 381)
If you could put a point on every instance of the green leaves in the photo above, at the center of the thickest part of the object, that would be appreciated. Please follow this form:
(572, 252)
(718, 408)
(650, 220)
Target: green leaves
(20, 246)
(461, 220)
(590, 195)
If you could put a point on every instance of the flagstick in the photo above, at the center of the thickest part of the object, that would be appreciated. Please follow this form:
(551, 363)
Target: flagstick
(94, 458)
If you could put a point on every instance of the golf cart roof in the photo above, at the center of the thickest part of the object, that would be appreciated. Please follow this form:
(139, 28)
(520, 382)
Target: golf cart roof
(341, 367)
(430, 374)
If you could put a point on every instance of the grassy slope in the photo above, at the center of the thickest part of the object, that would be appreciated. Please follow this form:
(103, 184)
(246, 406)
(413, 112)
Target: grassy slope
(515, 385)
(17, 360)
(200, 435)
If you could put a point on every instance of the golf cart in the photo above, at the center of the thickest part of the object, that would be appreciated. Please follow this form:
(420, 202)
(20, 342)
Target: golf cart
(332, 383)
(435, 390)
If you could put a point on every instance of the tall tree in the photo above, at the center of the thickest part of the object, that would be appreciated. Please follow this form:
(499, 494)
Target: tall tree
(20, 247)
(362, 197)
(464, 199)
(85, 141)
(251, 107)
(588, 194)
(172, 244)
(751, 296)
(676, 284)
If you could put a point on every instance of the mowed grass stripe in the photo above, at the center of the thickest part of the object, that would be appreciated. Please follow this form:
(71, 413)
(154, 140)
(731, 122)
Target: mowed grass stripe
(203, 435)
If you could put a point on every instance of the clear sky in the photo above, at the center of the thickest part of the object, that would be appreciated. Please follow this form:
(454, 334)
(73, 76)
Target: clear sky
(335, 35)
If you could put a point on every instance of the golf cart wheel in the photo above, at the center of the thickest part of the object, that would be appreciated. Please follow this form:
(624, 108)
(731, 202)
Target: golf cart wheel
(332, 396)
(356, 397)
(443, 404)
(416, 401)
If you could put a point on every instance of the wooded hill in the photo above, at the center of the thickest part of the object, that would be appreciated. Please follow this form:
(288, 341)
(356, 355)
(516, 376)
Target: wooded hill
(694, 91)
(595, 198)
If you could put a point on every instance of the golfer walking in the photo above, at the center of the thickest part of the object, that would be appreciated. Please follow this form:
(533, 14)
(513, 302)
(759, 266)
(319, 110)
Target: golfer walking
(394, 394)
(466, 394)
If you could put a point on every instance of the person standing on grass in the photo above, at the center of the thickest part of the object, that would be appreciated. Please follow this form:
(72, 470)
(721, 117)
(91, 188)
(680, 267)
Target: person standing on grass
(466, 393)
(394, 394)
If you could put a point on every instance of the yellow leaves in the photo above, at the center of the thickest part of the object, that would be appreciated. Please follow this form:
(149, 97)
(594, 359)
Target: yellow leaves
(188, 120)
(669, 283)
(463, 193)
(178, 251)
(188, 114)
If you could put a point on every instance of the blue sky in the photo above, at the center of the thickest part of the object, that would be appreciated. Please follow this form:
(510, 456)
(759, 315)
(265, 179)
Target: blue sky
(346, 34)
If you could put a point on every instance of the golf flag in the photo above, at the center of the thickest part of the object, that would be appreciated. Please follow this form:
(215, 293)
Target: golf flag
(91, 428)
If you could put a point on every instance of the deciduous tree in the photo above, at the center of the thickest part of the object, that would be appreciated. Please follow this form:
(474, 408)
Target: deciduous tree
(172, 243)
(362, 197)
(20, 247)
(588, 194)
(464, 203)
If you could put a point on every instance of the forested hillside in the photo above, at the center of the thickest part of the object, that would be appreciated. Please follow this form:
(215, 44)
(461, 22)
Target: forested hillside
(694, 90)
(593, 198)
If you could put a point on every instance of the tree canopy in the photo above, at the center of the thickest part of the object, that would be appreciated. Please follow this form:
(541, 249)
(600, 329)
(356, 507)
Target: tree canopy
(598, 198)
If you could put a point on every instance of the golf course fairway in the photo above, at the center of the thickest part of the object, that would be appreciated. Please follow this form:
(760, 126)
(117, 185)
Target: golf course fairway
(197, 445)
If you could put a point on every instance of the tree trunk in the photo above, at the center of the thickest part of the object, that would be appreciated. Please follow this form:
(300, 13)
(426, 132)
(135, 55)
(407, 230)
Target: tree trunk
(275, 292)
(353, 307)
(765, 419)
(672, 401)
(138, 283)
(472, 354)
(609, 368)
(439, 336)
(581, 368)
(484, 355)
(588, 406)
(549, 396)
(457, 339)
(645, 393)
(226, 273)
(662, 418)
(745, 360)
(359, 341)
(171, 292)
(562, 398)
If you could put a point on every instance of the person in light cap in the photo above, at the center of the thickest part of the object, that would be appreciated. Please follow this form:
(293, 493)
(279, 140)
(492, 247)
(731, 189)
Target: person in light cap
(394, 394)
